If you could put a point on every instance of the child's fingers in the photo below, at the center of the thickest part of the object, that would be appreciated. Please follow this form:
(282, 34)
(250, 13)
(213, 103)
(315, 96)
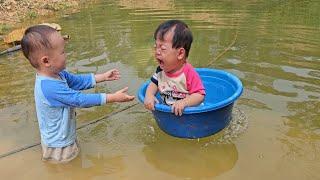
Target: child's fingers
(177, 109)
(115, 72)
(124, 90)
(146, 106)
(174, 109)
(180, 111)
(149, 105)
(116, 77)
(130, 98)
(109, 72)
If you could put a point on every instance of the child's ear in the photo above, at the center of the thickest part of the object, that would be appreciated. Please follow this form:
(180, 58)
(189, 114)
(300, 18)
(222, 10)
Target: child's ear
(181, 53)
(44, 60)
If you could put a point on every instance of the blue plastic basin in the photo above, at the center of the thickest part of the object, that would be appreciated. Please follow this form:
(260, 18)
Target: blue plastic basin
(222, 90)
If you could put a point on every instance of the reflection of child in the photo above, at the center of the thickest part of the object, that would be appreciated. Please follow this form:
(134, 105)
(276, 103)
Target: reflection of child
(176, 80)
(57, 92)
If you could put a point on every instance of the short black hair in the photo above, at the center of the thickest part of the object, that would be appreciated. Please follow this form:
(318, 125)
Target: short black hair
(36, 38)
(182, 34)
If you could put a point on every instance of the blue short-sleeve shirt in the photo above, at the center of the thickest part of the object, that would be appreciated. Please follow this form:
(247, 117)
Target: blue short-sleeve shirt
(55, 101)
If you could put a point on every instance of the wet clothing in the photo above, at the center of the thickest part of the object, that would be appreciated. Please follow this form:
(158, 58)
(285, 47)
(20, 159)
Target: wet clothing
(178, 85)
(60, 155)
(56, 100)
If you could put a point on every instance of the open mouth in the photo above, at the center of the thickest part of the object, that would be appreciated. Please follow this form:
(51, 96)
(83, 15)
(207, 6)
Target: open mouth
(160, 62)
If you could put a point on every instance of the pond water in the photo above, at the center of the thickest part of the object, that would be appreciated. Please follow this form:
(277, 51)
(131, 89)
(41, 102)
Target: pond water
(272, 46)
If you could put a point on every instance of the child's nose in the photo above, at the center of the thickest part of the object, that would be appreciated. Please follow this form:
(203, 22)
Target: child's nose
(157, 51)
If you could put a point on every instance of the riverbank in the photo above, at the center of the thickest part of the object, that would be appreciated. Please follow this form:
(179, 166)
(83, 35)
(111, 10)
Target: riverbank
(14, 13)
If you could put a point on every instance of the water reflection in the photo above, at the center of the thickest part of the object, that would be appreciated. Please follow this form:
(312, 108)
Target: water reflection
(308, 73)
(189, 158)
(86, 167)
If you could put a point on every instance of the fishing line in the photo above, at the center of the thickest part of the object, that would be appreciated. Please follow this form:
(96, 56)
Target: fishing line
(225, 50)
(80, 127)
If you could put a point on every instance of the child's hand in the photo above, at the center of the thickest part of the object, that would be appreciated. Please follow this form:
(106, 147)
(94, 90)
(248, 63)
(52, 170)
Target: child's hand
(178, 107)
(120, 96)
(149, 102)
(110, 75)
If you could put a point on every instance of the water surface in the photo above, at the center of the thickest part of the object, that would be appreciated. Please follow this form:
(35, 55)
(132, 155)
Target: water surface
(272, 46)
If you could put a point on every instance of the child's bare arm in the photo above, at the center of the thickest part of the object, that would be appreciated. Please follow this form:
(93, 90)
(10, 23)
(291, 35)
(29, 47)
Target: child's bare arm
(192, 100)
(120, 96)
(149, 97)
(110, 75)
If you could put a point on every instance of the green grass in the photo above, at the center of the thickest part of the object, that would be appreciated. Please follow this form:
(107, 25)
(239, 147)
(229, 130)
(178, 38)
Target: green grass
(4, 28)
(32, 15)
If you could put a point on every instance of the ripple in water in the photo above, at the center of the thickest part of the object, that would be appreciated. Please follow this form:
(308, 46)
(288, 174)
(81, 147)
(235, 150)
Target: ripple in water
(144, 130)
(237, 126)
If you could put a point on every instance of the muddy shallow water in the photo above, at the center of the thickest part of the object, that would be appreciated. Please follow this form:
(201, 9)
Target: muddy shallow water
(272, 46)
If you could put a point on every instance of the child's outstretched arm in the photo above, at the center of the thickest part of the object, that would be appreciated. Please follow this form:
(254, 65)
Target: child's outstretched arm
(192, 100)
(120, 96)
(58, 94)
(110, 75)
(87, 81)
(79, 81)
(150, 98)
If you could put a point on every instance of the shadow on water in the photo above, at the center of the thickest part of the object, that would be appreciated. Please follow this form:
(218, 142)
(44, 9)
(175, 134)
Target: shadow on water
(190, 158)
(197, 158)
(86, 167)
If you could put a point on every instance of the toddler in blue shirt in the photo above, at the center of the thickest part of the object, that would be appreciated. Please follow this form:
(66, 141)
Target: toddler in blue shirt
(57, 92)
